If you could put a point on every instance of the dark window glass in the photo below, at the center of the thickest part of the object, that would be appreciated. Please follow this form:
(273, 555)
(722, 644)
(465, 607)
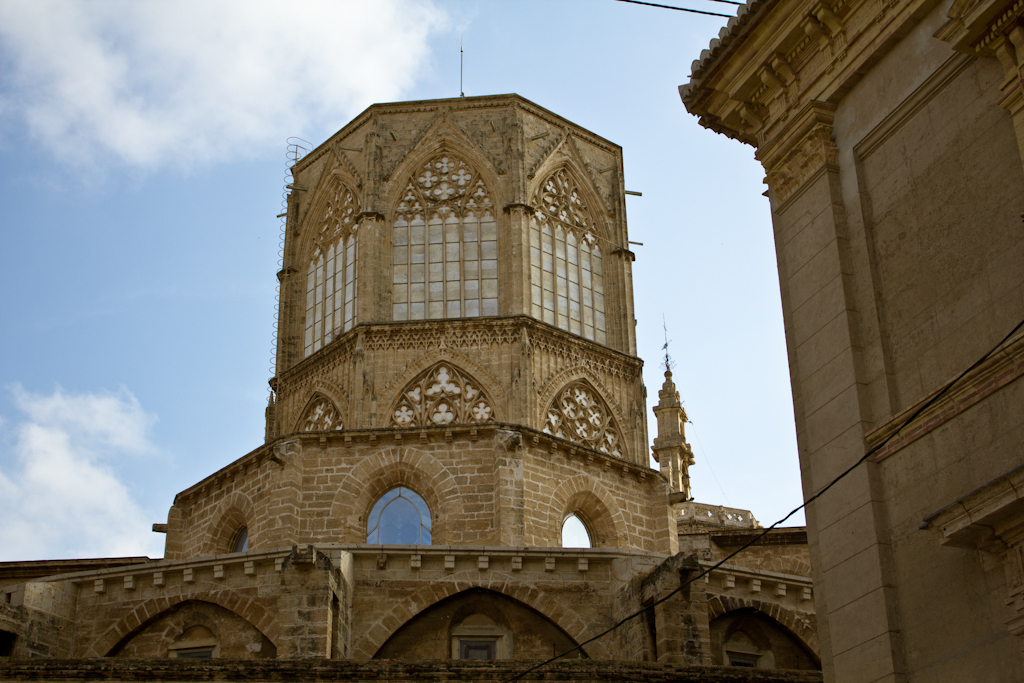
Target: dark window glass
(478, 648)
(749, 661)
(241, 542)
(196, 653)
(400, 517)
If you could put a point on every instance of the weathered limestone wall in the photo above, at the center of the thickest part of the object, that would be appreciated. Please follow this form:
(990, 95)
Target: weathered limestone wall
(182, 671)
(888, 132)
(486, 486)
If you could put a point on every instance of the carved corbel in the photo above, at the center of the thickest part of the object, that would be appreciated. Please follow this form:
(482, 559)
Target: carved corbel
(753, 122)
(781, 67)
(770, 78)
(815, 31)
(826, 17)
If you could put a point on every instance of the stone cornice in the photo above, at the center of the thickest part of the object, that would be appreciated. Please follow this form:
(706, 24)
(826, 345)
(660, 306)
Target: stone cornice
(799, 149)
(279, 451)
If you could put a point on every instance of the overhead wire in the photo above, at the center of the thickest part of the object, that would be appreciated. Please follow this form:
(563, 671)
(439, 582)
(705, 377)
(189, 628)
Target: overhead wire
(685, 9)
(808, 501)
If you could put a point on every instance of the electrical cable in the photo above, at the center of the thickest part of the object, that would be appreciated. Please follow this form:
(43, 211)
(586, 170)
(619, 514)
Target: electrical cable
(681, 9)
(708, 462)
(807, 502)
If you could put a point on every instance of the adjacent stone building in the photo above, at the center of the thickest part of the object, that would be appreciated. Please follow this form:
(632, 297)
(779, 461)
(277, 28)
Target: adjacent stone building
(456, 378)
(891, 133)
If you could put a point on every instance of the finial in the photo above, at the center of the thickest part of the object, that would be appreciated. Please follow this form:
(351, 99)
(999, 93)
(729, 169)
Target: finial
(668, 362)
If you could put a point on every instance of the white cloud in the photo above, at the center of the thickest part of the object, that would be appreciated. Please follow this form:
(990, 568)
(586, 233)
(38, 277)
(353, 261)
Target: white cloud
(60, 496)
(194, 81)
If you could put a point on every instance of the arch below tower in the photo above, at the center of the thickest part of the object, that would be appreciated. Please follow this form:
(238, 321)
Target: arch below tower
(590, 501)
(547, 607)
(234, 512)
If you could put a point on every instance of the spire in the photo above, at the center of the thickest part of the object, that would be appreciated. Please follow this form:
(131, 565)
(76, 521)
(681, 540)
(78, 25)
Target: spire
(670, 447)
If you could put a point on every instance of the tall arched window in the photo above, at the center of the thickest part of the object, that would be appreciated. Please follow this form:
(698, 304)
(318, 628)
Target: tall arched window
(445, 245)
(566, 271)
(399, 516)
(331, 275)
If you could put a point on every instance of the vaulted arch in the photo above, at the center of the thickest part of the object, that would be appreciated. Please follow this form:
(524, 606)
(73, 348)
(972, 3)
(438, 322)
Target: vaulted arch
(802, 626)
(152, 609)
(565, 617)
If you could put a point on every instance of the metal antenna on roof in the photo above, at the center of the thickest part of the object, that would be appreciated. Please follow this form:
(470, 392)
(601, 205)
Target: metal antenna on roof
(461, 92)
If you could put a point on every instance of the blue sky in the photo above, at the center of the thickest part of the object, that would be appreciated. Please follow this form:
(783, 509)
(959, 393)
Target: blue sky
(142, 162)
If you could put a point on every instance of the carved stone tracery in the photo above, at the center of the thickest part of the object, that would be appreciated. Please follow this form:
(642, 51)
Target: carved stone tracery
(579, 415)
(321, 416)
(338, 217)
(442, 396)
(443, 185)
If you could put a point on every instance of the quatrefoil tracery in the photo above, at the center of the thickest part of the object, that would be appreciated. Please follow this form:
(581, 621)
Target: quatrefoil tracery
(444, 185)
(559, 199)
(579, 415)
(439, 397)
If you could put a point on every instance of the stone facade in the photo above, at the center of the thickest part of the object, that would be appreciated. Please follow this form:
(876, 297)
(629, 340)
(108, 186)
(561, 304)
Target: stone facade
(455, 322)
(891, 134)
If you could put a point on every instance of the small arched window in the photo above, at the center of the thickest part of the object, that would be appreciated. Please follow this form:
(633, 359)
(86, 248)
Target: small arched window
(575, 533)
(400, 516)
(240, 541)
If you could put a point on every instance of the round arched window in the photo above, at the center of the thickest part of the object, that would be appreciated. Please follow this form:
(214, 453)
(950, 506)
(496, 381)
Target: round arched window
(401, 517)
(575, 533)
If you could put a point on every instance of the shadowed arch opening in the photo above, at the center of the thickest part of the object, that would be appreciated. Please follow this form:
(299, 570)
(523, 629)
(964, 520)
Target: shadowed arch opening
(477, 622)
(750, 638)
(196, 628)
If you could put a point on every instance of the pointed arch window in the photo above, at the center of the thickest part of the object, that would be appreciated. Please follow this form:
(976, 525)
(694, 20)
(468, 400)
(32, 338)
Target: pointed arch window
(331, 274)
(400, 516)
(445, 245)
(566, 263)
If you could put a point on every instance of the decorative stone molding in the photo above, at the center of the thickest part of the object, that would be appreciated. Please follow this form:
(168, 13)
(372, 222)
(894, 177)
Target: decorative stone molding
(442, 396)
(801, 149)
(321, 415)
(991, 519)
(580, 415)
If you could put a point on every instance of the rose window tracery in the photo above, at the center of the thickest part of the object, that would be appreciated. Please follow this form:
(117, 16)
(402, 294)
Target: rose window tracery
(442, 396)
(321, 416)
(445, 242)
(566, 263)
(577, 414)
(331, 276)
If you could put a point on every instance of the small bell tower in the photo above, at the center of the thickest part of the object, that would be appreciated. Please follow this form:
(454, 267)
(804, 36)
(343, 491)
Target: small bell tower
(670, 447)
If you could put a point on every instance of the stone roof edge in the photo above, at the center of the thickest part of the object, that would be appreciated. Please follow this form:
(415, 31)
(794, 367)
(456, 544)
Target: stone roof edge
(746, 15)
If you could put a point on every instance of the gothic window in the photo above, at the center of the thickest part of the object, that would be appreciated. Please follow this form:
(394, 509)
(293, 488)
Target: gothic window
(579, 415)
(575, 533)
(331, 274)
(442, 396)
(445, 245)
(566, 271)
(240, 541)
(320, 416)
(399, 516)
